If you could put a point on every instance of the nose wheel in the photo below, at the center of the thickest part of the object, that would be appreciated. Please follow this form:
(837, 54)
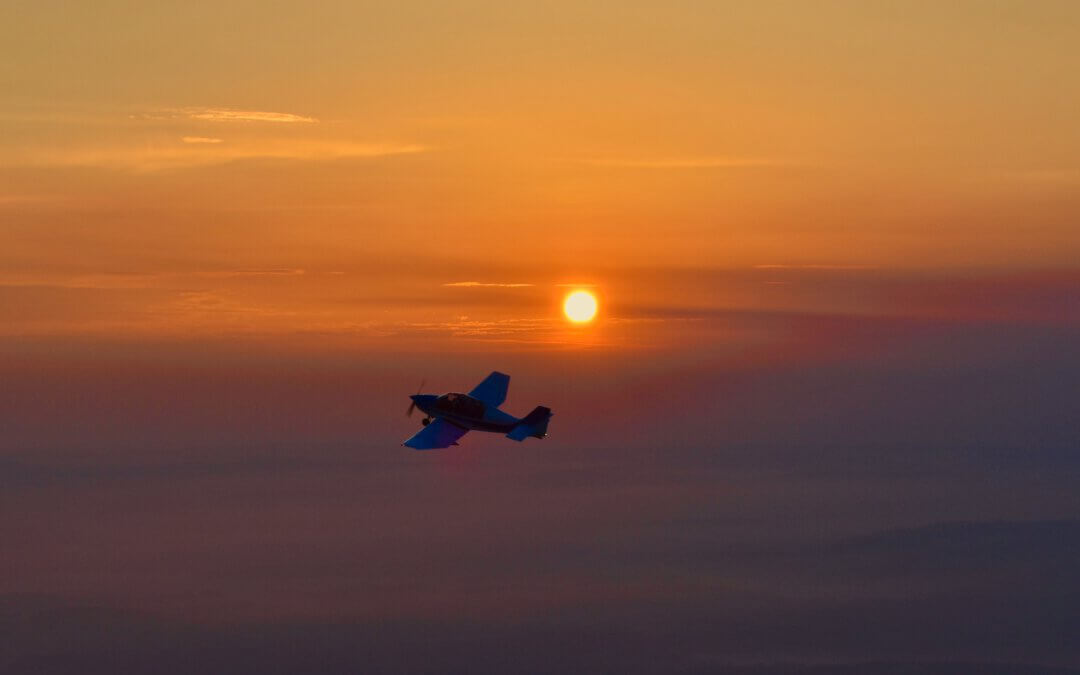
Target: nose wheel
(426, 421)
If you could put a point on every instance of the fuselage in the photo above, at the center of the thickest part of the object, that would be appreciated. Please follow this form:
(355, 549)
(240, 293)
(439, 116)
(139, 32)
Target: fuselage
(466, 412)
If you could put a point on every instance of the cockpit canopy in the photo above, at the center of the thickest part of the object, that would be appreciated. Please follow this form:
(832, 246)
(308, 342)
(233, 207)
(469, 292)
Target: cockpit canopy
(460, 404)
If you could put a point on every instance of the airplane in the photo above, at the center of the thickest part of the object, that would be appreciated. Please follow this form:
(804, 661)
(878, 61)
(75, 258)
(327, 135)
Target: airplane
(451, 416)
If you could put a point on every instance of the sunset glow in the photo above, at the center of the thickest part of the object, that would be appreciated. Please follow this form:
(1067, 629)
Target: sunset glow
(796, 281)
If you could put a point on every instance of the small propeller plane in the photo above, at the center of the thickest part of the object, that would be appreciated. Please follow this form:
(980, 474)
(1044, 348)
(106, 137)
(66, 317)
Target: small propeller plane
(451, 416)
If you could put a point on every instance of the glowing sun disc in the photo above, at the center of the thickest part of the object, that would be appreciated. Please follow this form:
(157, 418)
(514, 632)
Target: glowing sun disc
(580, 306)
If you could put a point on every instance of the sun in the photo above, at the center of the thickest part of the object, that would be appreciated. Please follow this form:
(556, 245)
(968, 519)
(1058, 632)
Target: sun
(580, 306)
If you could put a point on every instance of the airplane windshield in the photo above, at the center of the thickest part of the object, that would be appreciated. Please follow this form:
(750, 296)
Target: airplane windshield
(460, 404)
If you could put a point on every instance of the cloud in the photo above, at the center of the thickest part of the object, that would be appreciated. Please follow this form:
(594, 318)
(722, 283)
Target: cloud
(691, 162)
(1047, 176)
(170, 154)
(466, 327)
(267, 272)
(100, 281)
(14, 199)
(815, 267)
(135, 281)
(219, 310)
(524, 330)
(232, 115)
(484, 284)
(164, 138)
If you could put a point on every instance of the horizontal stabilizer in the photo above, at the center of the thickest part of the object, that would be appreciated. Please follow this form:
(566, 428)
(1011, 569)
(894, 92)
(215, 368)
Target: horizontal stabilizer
(535, 425)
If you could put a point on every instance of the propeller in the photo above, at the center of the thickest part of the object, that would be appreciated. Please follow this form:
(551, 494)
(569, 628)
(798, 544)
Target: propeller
(412, 406)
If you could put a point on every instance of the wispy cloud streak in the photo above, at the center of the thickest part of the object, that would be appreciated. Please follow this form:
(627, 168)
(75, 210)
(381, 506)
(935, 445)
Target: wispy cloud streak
(232, 115)
(814, 267)
(174, 154)
(268, 272)
(484, 284)
(690, 162)
(8, 200)
(1047, 176)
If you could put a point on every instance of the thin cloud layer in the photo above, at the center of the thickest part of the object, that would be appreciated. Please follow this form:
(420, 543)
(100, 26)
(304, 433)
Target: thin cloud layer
(1051, 177)
(14, 200)
(814, 267)
(690, 162)
(232, 115)
(485, 284)
(170, 154)
(166, 138)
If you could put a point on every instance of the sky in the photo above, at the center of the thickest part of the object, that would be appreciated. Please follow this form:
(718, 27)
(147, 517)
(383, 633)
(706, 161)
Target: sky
(825, 420)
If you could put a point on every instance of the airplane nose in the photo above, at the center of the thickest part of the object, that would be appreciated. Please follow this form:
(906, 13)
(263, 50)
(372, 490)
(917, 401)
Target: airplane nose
(415, 397)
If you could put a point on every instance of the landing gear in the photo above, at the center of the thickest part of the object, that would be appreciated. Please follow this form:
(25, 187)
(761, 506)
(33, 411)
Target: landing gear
(426, 421)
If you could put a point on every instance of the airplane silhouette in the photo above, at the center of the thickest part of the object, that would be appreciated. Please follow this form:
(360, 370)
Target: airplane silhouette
(451, 416)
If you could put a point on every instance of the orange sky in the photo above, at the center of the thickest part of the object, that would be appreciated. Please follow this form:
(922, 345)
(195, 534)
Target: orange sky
(270, 168)
(827, 413)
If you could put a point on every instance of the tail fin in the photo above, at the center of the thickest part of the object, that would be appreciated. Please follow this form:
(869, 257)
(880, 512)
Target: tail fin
(534, 424)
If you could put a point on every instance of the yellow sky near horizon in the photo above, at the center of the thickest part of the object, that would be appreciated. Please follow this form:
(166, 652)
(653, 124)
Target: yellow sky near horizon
(177, 159)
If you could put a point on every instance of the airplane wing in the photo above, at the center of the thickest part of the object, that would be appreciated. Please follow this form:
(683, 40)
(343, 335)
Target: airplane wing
(493, 389)
(439, 434)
